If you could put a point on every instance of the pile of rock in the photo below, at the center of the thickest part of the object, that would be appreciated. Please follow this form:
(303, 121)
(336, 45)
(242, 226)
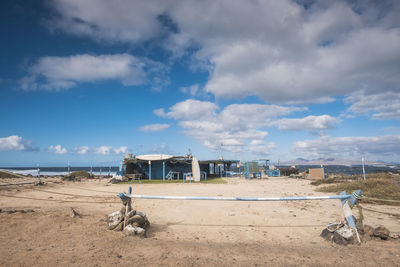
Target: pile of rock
(10, 211)
(380, 233)
(129, 221)
(340, 233)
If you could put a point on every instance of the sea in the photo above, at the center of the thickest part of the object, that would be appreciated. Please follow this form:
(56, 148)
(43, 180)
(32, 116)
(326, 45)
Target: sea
(329, 169)
(55, 171)
(350, 169)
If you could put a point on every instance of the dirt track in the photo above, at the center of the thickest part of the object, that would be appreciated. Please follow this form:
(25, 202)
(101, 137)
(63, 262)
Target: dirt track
(182, 232)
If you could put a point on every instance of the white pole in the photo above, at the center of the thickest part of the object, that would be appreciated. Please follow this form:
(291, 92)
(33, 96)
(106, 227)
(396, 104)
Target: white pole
(363, 160)
(38, 172)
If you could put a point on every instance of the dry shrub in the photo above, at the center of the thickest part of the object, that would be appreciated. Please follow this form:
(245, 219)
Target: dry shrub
(380, 185)
(81, 174)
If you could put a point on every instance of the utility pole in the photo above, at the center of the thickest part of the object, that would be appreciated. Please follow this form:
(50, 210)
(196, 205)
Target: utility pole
(220, 151)
(38, 172)
(100, 172)
(363, 163)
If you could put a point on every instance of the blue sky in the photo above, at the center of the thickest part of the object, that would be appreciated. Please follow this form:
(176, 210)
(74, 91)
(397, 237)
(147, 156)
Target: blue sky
(88, 81)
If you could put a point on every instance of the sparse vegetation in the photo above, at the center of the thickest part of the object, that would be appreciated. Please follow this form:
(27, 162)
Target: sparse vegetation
(377, 185)
(81, 174)
(332, 180)
(159, 181)
(215, 181)
(6, 174)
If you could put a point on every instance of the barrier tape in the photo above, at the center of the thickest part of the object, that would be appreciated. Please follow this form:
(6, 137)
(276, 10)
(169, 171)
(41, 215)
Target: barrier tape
(236, 198)
(346, 200)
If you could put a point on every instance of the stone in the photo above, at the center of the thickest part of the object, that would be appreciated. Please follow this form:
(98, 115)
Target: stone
(129, 230)
(73, 213)
(140, 231)
(135, 222)
(381, 232)
(340, 240)
(10, 211)
(332, 227)
(114, 181)
(146, 224)
(343, 236)
(367, 233)
(394, 235)
(113, 219)
(368, 230)
(326, 234)
(131, 214)
(346, 232)
(140, 213)
(119, 227)
(135, 219)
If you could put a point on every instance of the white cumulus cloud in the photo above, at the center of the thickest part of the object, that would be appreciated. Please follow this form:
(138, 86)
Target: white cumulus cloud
(383, 106)
(162, 149)
(83, 150)
(311, 122)
(106, 150)
(157, 127)
(121, 150)
(57, 73)
(191, 90)
(119, 21)
(385, 146)
(189, 109)
(58, 149)
(16, 143)
(262, 148)
(103, 150)
(280, 51)
(235, 128)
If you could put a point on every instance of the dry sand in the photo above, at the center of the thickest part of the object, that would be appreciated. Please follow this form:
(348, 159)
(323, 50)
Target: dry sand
(188, 233)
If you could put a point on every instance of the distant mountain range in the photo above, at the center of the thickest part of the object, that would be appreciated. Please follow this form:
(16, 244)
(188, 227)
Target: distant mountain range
(334, 161)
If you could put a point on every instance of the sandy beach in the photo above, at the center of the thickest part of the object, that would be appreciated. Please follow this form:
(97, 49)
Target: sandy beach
(188, 233)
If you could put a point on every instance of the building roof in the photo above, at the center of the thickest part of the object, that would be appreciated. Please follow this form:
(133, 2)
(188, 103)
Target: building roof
(158, 157)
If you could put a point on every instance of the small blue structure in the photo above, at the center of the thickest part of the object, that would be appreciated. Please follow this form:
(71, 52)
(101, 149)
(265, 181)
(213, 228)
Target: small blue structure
(274, 173)
(251, 170)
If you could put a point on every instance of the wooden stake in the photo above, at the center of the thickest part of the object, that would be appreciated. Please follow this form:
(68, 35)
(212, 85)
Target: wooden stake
(126, 214)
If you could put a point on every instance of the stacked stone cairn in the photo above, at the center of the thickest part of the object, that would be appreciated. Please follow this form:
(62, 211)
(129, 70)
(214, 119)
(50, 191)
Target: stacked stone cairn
(128, 220)
(340, 233)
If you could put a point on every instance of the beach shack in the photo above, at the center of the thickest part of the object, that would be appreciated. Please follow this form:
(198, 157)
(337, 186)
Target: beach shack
(162, 166)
